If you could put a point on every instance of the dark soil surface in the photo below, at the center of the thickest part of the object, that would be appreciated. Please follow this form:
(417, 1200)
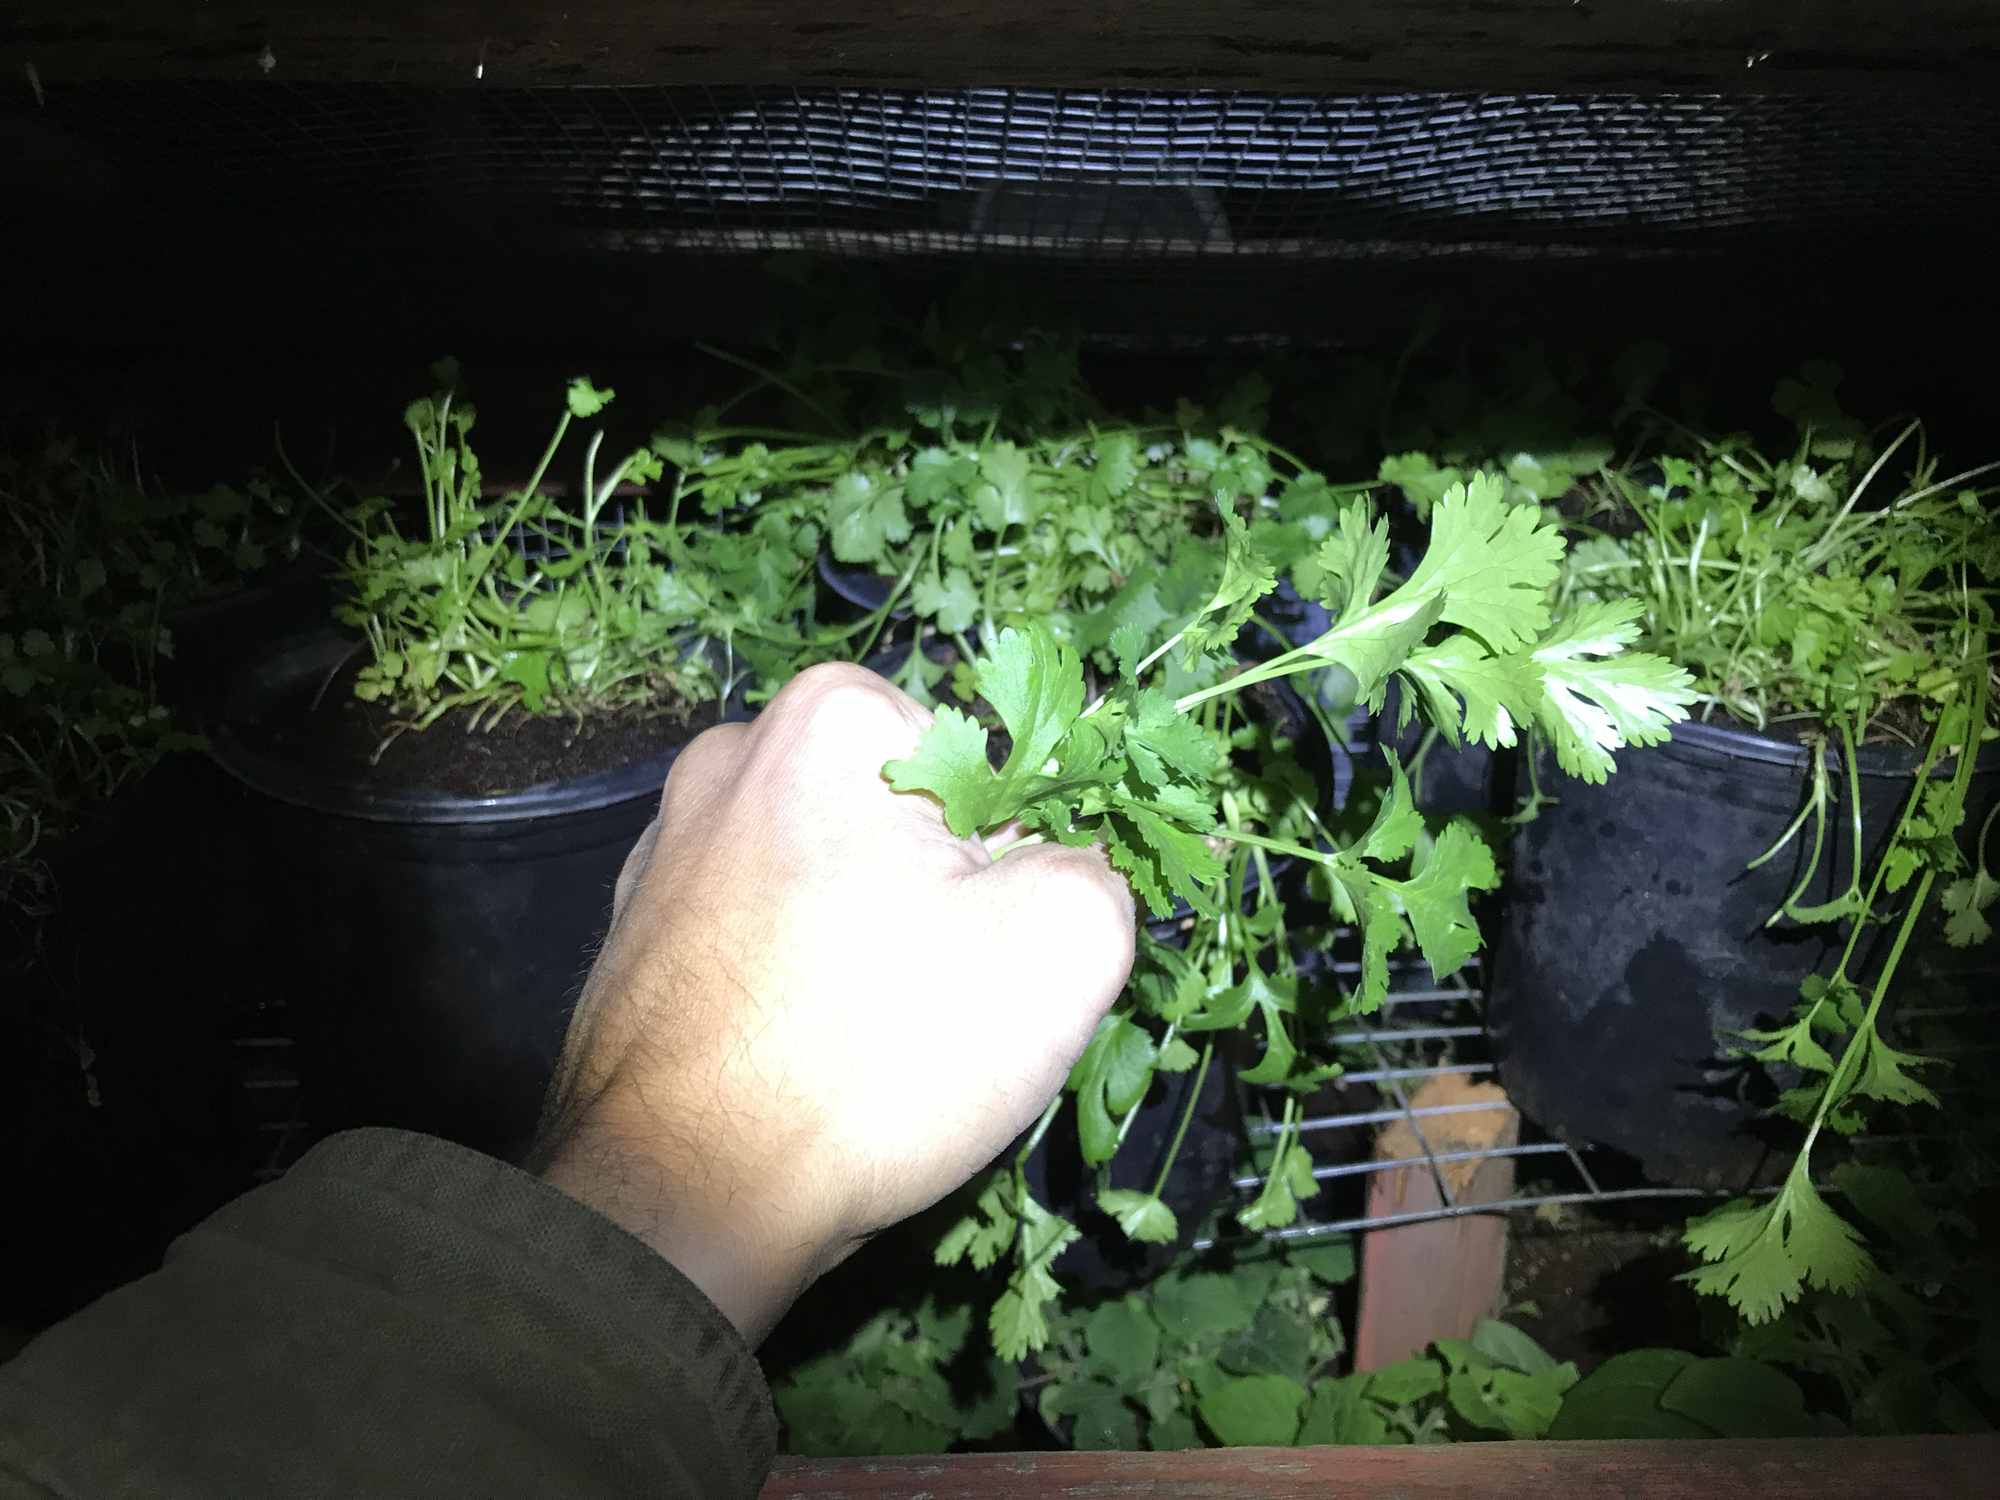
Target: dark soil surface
(342, 733)
(1586, 1289)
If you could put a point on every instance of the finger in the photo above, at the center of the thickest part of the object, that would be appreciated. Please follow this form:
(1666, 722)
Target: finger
(1081, 917)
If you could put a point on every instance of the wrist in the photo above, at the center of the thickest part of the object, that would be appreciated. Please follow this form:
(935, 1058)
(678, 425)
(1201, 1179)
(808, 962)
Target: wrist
(748, 1251)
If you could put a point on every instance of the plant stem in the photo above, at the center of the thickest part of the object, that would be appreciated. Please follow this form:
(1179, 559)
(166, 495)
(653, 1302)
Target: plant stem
(1187, 1117)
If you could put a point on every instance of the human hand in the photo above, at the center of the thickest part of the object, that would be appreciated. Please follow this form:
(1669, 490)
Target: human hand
(817, 1011)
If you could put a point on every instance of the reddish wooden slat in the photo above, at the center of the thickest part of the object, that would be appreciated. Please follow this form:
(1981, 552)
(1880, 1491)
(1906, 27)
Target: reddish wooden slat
(1777, 1469)
(1438, 1278)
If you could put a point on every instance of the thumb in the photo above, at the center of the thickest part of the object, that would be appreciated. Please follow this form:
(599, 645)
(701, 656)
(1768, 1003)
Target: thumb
(1059, 926)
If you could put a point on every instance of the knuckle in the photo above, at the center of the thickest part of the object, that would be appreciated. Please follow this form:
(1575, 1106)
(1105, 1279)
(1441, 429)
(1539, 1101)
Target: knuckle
(842, 700)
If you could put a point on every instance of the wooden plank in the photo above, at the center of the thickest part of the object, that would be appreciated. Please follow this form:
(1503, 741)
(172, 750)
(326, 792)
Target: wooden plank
(1358, 45)
(1773, 1469)
(1438, 1278)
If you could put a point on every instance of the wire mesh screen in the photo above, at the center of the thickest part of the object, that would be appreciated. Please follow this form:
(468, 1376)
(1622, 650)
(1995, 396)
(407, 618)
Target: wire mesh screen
(1044, 171)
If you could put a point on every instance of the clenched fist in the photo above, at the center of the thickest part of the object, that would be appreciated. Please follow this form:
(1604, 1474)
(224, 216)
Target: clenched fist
(818, 1011)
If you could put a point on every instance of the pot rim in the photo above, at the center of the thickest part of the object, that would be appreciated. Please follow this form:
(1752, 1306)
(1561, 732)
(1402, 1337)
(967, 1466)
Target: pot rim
(1738, 742)
(285, 664)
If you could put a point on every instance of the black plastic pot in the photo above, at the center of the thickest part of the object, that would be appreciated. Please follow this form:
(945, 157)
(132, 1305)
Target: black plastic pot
(436, 941)
(1102, 1259)
(1631, 944)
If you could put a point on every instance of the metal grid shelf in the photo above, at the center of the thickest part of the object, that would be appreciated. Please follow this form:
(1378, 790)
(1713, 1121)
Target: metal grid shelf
(1001, 171)
(1423, 1032)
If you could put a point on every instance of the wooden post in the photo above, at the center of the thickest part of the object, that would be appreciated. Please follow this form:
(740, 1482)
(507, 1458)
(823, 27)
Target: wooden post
(1436, 1278)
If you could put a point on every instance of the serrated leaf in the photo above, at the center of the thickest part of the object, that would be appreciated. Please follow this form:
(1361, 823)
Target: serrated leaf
(1597, 697)
(1436, 899)
(1491, 562)
(1353, 561)
(1760, 1256)
(1114, 466)
(983, 1235)
(1397, 824)
(865, 516)
(1965, 902)
(585, 399)
(951, 600)
(1247, 576)
(1141, 1216)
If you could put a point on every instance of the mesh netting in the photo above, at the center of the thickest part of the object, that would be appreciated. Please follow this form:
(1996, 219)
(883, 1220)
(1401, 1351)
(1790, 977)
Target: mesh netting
(1050, 172)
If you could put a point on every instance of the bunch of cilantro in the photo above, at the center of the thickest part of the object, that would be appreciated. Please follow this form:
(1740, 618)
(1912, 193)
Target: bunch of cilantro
(489, 606)
(1141, 769)
(1829, 593)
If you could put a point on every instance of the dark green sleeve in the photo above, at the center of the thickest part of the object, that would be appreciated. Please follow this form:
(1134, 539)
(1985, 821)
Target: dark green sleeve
(396, 1317)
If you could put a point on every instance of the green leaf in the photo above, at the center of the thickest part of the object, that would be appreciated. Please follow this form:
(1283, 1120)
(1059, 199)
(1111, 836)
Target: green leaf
(1019, 1319)
(1340, 1413)
(1739, 1398)
(1108, 1079)
(1247, 576)
(952, 601)
(1114, 466)
(1193, 1307)
(1406, 1381)
(1124, 1342)
(1886, 1197)
(1965, 902)
(950, 763)
(1277, 1342)
(585, 399)
(936, 476)
(1353, 561)
(1103, 1421)
(1621, 1399)
(1882, 1074)
(1330, 1261)
(1164, 744)
(983, 1235)
(1491, 562)
(1257, 1411)
(865, 516)
(1141, 1216)
(1508, 1402)
(1507, 1345)
(1397, 824)
(1172, 1433)
(1762, 1255)
(1176, 1057)
(530, 670)
(1422, 482)
(1598, 697)
(1437, 898)
(1007, 498)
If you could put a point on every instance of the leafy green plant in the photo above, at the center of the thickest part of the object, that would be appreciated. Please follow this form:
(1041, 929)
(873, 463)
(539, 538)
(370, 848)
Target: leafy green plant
(97, 558)
(1141, 769)
(522, 603)
(1805, 595)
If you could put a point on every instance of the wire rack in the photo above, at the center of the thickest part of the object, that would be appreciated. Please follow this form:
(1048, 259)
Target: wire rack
(1026, 171)
(1426, 1031)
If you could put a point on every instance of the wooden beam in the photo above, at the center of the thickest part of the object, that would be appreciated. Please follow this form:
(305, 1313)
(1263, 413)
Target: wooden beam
(1606, 46)
(1771, 1469)
(1436, 1278)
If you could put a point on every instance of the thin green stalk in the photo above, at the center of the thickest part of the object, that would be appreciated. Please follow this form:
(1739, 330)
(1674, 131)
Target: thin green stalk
(1187, 1116)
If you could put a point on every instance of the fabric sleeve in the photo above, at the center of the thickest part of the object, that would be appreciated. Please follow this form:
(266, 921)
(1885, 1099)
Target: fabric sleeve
(397, 1316)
